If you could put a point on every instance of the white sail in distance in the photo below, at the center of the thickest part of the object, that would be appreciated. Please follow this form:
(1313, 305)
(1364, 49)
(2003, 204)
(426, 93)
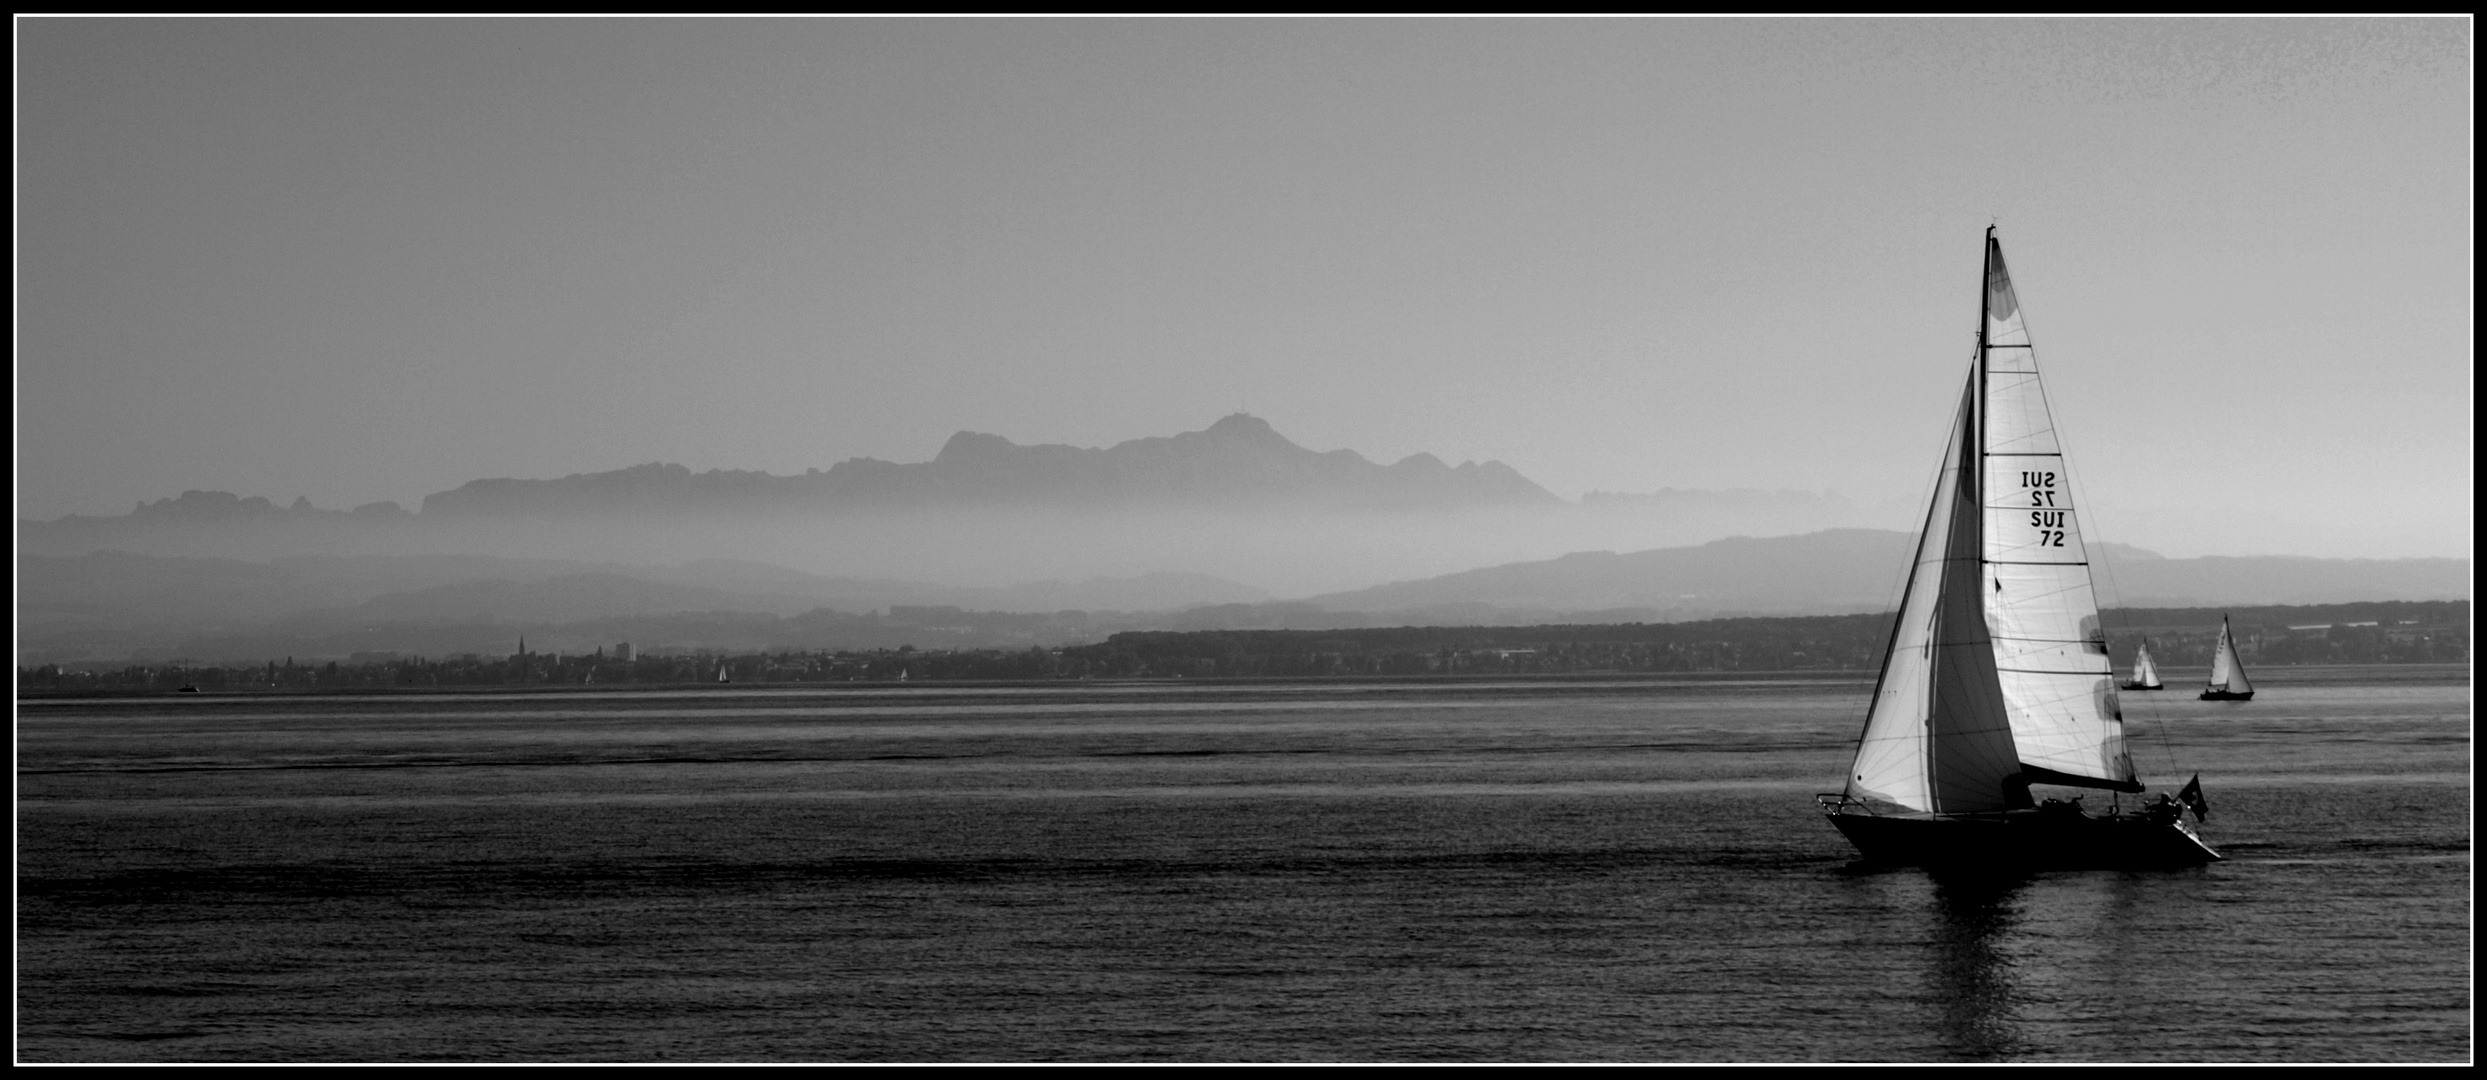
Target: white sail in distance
(2227, 671)
(2145, 673)
(2051, 658)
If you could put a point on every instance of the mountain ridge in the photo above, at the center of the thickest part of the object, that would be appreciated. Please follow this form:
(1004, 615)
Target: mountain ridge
(1240, 462)
(1840, 571)
(1240, 459)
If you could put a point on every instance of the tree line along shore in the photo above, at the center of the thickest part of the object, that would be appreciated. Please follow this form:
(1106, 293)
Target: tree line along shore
(2391, 632)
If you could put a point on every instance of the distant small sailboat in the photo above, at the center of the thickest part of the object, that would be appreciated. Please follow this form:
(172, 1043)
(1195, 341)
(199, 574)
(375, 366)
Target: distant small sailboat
(721, 673)
(2227, 672)
(1997, 675)
(2145, 673)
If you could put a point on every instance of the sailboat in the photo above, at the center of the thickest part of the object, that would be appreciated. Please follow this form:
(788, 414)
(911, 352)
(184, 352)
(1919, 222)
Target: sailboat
(2145, 673)
(2227, 672)
(1997, 675)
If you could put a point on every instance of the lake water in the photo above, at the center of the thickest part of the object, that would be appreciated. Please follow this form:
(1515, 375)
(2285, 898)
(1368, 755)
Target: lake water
(1628, 869)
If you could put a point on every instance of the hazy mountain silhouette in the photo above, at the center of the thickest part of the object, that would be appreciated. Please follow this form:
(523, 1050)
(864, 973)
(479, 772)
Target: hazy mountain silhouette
(1238, 461)
(1237, 500)
(109, 605)
(571, 598)
(1840, 571)
(1138, 526)
(1832, 572)
(195, 510)
(224, 506)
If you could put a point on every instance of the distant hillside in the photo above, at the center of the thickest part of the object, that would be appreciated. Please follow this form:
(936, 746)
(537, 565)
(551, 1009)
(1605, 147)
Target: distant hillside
(2376, 633)
(946, 643)
(1831, 572)
(2230, 581)
(1238, 461)
(572, 598)
(1856, 570)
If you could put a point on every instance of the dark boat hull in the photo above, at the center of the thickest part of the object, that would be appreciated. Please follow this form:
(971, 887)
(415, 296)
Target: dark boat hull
(2138, 686)
(2025, 840)
(2223, 695)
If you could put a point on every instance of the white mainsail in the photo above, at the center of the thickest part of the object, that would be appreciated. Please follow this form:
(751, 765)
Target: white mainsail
(2050, 651)
(2228, 672)
(2145, 673)
(1936, 739)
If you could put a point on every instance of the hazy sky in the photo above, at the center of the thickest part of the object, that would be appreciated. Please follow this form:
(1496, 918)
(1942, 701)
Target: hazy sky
(363, 260)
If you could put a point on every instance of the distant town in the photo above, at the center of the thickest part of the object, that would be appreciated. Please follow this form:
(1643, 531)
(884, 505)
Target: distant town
(2392, 632)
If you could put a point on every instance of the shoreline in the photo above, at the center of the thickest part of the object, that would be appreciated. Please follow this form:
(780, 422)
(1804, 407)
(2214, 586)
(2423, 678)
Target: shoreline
(2180, 688)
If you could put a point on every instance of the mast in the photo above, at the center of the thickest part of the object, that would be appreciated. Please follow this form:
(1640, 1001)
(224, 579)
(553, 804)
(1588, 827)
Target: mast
(1974, 485)
(1986, 299)
(1977, 485)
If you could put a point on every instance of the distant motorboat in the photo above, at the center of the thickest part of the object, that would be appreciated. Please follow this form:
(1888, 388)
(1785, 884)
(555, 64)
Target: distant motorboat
(2228, 681)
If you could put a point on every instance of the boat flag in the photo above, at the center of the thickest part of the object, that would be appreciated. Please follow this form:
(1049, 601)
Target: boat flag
(2192, 796)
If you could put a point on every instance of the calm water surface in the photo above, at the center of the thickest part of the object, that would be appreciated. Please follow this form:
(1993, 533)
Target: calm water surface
(1411, 871)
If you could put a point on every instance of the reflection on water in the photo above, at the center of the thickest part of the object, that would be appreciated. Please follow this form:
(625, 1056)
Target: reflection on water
(1966, 966)
(2056, 966)
(1971, 975)
(1587, 872)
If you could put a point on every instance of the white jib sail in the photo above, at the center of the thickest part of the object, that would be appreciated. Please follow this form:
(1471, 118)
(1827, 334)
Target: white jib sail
(1936, 740)
(2059, 686)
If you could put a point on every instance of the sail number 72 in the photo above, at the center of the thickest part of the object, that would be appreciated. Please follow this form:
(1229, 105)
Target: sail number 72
(2049, 523)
